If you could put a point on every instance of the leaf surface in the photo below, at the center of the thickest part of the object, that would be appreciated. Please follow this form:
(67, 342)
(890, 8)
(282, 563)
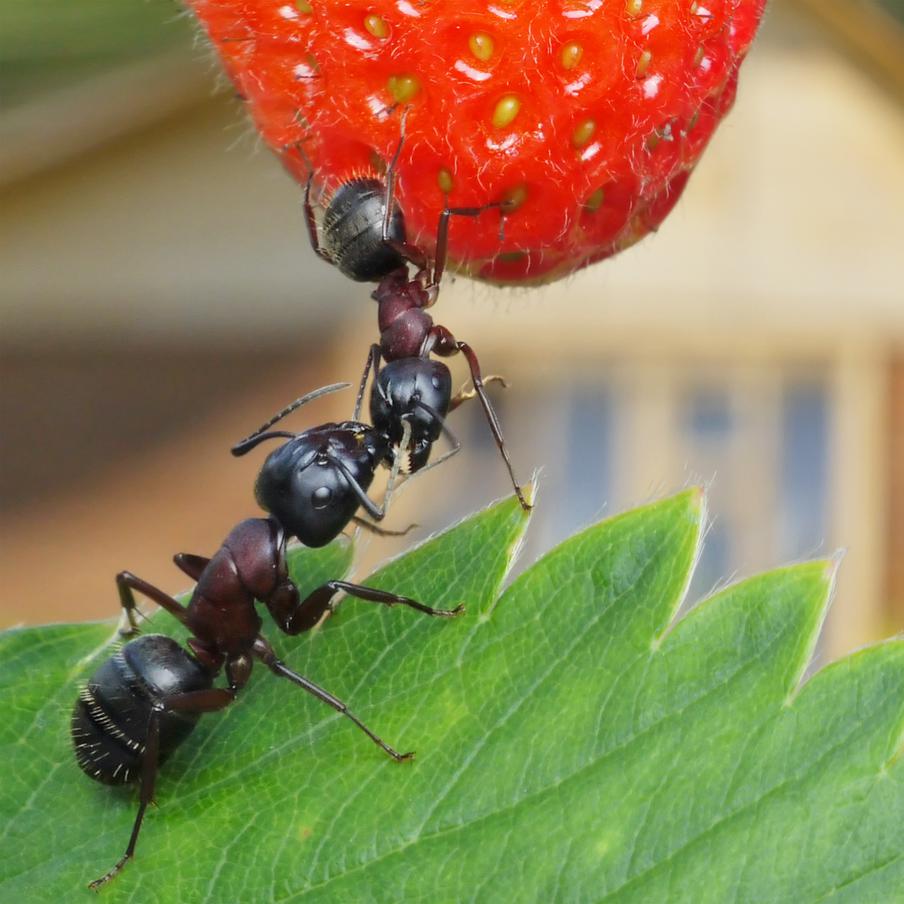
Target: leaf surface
(574, 743)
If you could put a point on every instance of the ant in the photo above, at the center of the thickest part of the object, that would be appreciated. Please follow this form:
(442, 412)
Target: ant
(144, 701)
(364, 236)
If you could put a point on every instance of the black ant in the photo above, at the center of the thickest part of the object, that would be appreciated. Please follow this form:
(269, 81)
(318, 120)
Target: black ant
(364, 236)
(145, 700)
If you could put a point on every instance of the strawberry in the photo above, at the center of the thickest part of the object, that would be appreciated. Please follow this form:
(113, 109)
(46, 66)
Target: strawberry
(585, 117)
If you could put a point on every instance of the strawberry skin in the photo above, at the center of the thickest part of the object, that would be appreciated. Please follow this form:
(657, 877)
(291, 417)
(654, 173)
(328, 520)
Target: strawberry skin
(585, 117)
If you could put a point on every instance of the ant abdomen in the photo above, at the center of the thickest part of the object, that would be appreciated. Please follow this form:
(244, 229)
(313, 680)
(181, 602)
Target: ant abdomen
(111, 717)
(353, 231)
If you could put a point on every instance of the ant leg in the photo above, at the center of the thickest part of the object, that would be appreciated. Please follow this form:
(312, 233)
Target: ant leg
(320, 600)
(409, 252)
(127, 583)
(465, 395)
(444, 343)
(266, 654)
(372, 364)
(495, 427)
(295, 617)
(311, 221)
(206, 701)
(382, 531)
(191, 564)
(149, 766)
(390, 181)
(442, 236)
(383, 597)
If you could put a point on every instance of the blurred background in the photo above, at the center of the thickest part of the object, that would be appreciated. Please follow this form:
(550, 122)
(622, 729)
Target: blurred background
(159, 300)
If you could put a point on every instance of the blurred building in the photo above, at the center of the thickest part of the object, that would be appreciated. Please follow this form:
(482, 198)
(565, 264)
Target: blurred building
(159, 300)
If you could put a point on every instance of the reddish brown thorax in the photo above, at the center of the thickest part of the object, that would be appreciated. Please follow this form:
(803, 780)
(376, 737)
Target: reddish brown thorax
(404, 324)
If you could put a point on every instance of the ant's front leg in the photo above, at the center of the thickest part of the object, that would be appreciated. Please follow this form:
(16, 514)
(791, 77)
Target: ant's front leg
(441, 341)
(127, 583)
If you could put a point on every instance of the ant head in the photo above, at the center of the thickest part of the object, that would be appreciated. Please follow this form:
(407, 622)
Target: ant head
(313, 484)
(417, 390)
(352, 231)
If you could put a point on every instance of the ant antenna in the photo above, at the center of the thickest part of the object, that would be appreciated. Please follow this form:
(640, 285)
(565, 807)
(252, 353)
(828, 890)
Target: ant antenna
(252, 440)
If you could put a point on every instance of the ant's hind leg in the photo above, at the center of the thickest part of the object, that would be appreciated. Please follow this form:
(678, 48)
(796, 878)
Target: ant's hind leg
(202, 701)
(150, 762)
(409, 252)
(442, 236)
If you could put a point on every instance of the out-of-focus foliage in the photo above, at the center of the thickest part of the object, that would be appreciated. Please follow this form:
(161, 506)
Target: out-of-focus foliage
(48, 44)
(896, 7)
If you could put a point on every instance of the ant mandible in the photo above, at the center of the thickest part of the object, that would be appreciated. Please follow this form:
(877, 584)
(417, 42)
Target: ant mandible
(146, 699)
(364, 236)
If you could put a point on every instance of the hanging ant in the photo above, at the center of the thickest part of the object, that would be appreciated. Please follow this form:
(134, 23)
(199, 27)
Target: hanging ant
(146, 699)
(364, 236)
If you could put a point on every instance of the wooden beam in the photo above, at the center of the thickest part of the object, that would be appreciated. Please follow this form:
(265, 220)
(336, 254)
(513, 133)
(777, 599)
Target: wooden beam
(895, 587)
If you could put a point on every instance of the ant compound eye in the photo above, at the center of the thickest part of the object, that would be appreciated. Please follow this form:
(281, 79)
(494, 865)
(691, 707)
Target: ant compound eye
(435, 381)
(320, 498)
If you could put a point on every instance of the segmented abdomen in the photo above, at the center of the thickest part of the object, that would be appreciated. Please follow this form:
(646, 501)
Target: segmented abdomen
(111, 716)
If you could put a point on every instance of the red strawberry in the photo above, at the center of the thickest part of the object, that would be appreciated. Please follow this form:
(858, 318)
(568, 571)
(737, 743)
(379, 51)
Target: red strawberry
(587, 116)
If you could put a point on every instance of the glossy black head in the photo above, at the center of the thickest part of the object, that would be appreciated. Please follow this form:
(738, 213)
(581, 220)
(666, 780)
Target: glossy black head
(313, 484)
(417, 390)
(352, 233)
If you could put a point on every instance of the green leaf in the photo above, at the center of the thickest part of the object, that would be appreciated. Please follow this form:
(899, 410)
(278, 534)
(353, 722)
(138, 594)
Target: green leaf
(574, 743)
